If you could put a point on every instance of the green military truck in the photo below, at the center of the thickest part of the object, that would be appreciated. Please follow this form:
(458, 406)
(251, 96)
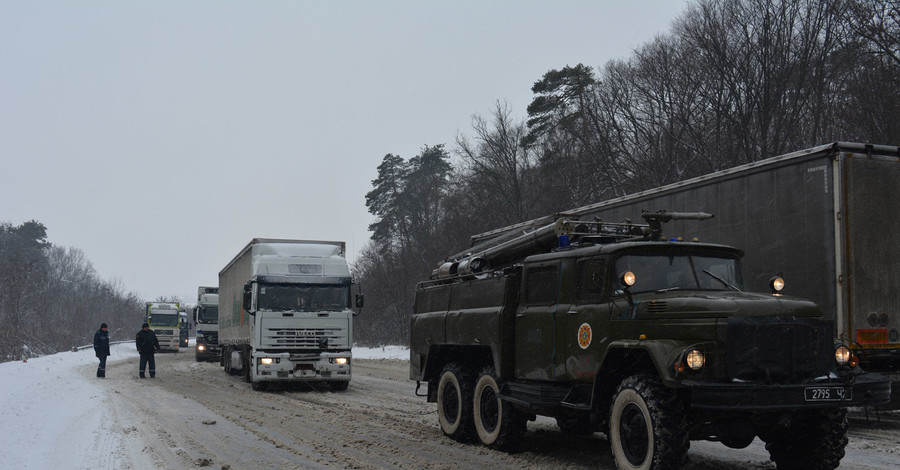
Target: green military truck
(610, 327)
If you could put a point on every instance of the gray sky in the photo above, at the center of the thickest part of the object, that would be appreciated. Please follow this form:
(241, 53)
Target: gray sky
(160, 137)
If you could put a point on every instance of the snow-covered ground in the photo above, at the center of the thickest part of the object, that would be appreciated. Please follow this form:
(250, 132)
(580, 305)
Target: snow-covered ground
(55, 415)
(51, 417)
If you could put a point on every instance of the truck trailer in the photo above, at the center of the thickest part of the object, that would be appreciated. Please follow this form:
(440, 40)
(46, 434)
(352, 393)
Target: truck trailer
(165, 320)
(285, 313)
(206, 317)
(824, 217)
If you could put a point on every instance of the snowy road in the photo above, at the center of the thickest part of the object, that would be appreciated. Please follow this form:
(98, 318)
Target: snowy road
(194, 415)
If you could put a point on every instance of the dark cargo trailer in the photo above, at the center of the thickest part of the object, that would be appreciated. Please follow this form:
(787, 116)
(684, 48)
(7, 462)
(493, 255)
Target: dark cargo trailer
(825, 217)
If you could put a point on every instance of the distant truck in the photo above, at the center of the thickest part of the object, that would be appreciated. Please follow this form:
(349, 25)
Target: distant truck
(184, 331)
(285, 313)
(164, 319)
(655, 341)
(206, 317)
(825, 217)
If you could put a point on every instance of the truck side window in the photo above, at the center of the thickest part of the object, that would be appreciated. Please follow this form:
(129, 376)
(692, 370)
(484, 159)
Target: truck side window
(542, 285)
(590, 281)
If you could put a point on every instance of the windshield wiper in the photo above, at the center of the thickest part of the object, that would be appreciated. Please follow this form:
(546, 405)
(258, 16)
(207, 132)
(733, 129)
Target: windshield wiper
(668, 289)
(723, 281)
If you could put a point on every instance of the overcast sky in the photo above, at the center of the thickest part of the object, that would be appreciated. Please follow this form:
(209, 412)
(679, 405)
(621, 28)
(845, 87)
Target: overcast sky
(160, 137)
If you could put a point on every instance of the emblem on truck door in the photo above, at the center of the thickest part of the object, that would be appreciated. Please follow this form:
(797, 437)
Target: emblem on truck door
(584, 335)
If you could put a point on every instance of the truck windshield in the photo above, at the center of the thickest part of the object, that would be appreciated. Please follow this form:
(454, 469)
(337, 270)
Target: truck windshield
(162, 319)
(666, 271)
(303, 298)
(208, 314)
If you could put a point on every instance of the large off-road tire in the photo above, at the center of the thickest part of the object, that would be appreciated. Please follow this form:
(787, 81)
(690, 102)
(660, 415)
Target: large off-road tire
(815, 440)
(454, 400)
(647, 427)
(497, 424)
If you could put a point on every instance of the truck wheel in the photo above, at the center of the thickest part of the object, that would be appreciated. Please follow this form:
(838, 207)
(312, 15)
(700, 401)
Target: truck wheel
(245, 364)
(498, 424)
(647, 425)
(259, 386)
(454, 400)
(226, 361)
(814, 440)
(339, 386)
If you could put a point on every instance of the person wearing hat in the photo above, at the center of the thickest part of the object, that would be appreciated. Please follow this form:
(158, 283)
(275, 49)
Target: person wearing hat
(147, 344)
(101, 348)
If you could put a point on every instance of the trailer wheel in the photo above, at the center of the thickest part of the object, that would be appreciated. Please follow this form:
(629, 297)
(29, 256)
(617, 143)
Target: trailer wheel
(814, 440)
(647, 425)
(498, 425)
(454, 401)
(226, 361)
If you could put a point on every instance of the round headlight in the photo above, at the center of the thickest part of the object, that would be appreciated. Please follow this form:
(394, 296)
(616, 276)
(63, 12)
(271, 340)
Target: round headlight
(695, 359)
(776, 284)
(628, 279)
(842, 355)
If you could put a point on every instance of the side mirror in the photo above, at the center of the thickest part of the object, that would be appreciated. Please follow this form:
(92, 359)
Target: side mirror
(247, 300)
(360, 300)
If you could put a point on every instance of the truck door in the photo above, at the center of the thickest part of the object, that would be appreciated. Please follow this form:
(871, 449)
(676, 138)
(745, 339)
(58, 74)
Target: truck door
(587, 321)
(537, 354)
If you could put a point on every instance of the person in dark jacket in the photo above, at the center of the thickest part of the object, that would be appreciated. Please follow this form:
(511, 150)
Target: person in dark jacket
(101, 348)
(147, 345)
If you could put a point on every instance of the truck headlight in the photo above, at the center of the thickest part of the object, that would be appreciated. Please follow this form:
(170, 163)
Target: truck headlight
(265, 360)
(776, 284)
(201, 347)
(340, 360)
(628, 279)
(843, 356)
(695, 359)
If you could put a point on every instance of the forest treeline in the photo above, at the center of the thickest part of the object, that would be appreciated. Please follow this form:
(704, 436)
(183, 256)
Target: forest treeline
(732, 82)
(51, 298)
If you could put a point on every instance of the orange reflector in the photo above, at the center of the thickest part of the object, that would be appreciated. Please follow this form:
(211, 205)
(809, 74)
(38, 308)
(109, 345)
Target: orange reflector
(871, 336)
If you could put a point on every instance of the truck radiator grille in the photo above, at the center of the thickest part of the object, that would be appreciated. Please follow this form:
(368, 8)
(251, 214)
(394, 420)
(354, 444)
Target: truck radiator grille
(778, 349)
(306, 338)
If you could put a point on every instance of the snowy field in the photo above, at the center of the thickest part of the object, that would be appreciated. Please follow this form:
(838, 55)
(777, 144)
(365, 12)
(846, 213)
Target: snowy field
(51, 417)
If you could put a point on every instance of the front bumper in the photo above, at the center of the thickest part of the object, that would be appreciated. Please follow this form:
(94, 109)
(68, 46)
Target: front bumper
(287, 367)
(867, 390)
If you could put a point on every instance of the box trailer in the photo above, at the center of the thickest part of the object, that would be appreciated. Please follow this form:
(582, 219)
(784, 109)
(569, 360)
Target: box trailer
(824, 217)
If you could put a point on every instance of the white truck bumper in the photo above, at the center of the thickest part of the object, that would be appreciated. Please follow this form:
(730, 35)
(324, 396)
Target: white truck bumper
(326, 366)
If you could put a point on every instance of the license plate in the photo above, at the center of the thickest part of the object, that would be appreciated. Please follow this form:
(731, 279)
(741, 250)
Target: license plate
(828, 393)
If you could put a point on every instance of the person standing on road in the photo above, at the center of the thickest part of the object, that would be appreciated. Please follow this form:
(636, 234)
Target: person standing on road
(147, 345)
(101, 349)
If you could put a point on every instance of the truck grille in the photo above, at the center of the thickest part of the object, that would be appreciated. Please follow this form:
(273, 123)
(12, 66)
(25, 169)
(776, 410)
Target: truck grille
(307, 338)
(778, 349)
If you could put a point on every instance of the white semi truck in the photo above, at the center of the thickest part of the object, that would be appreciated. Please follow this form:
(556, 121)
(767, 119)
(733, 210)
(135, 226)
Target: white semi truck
(285, 313)
(164, 319)
(206, 317)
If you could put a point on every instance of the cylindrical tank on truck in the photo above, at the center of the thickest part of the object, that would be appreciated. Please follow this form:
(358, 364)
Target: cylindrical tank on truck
(285, 313)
